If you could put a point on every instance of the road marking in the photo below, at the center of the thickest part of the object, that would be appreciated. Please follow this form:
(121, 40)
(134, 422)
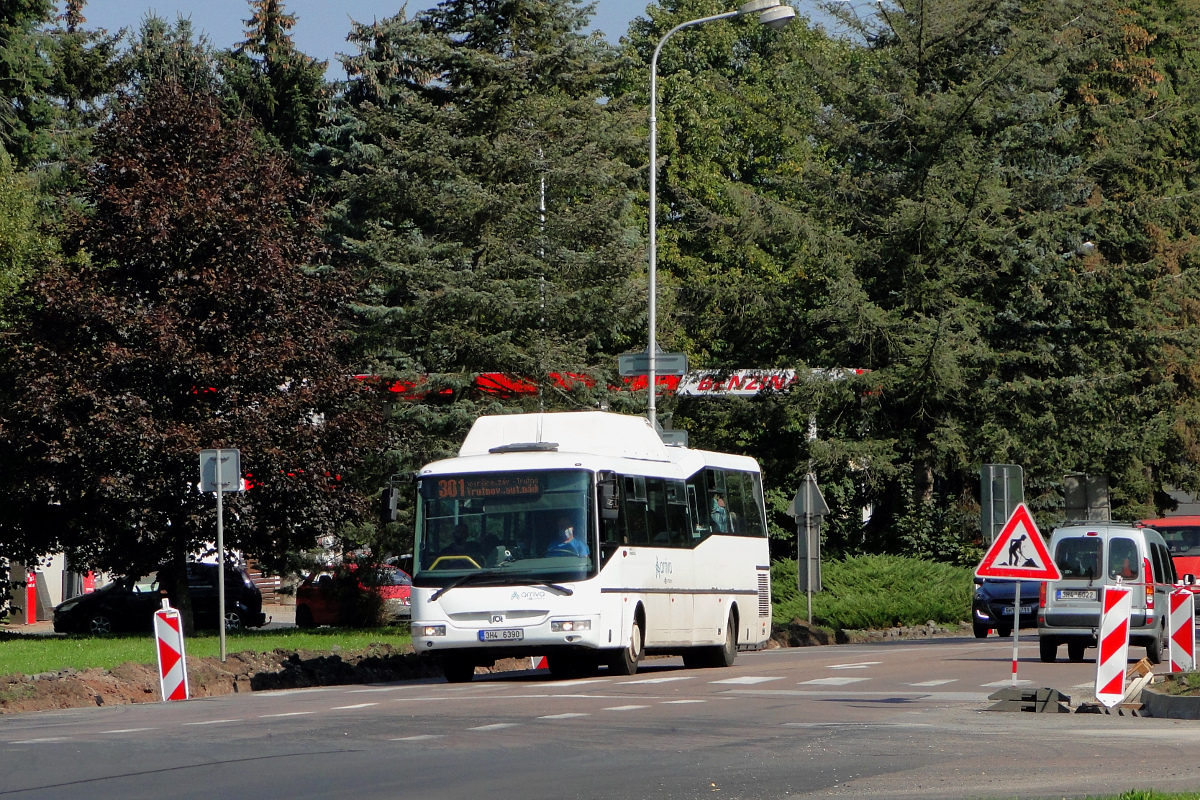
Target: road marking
(659, 680)
(581, 682)
(564, 716)
(494, 726)
(356, 705)
(857, 725)
(938, 682)
(1005, 682)
(47, 740)
(839, 681)
(745, 681)
(624, 708)
(288, 714)
(385, 689)
(212, 722)
(856, 665)
(130, 730)
(1088, 685)
(294, 692)
(421, 738)
(681, 702)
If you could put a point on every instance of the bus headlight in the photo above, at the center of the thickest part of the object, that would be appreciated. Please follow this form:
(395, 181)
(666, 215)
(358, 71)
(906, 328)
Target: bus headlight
(432, 630)
(571, 625)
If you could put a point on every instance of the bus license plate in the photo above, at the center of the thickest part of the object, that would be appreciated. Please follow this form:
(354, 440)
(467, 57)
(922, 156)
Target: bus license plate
(506, 635)
(1076, 594)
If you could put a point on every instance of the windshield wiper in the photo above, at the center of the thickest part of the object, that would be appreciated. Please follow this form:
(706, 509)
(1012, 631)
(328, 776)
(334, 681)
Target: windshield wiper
(512, 580)
(465, 579)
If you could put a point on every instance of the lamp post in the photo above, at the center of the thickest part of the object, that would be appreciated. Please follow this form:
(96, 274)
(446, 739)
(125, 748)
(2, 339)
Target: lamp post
(771, 13)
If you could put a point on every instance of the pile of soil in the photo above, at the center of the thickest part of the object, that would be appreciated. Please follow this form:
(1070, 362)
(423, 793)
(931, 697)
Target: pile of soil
(209, 677)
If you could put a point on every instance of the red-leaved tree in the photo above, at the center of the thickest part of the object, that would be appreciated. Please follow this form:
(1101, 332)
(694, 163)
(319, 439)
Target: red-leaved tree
(197, 317)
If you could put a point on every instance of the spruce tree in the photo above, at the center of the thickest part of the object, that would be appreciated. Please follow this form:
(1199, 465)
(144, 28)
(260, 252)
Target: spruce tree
(271, 81)
(457, 123)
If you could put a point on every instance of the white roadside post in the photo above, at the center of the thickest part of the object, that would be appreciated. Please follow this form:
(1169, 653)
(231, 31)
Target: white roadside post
(1018, 553)
(215, 476)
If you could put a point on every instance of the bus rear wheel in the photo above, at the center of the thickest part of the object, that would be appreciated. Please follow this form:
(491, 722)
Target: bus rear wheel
(715, 656)
(625, 661)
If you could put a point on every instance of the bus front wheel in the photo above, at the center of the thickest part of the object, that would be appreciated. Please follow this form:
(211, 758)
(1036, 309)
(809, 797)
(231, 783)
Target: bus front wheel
(458, 670)
(625, 661)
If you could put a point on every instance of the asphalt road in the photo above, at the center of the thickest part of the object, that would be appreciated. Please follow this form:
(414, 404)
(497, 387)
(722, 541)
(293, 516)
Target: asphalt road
(901, 720)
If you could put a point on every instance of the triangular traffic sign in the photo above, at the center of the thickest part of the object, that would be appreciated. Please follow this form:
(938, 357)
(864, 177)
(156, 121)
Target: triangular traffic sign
(1019, 552)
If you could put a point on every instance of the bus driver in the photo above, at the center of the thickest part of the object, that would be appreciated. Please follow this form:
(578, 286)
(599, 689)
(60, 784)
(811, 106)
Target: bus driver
(565, 543)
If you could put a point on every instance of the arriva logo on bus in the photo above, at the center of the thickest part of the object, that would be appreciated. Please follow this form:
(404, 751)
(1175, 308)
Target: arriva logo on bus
(661, 567)
(527, 595)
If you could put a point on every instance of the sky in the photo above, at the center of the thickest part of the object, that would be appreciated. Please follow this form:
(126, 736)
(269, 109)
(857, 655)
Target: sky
(322, 26)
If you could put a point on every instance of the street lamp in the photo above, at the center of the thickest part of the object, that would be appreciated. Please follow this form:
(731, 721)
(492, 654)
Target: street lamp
(771, 13)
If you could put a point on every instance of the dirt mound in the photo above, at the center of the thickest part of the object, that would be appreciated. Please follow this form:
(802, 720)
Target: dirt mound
(208, 677)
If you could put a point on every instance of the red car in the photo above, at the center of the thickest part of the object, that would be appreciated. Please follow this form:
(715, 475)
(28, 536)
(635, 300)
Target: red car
(1182, 535)
(340, 597)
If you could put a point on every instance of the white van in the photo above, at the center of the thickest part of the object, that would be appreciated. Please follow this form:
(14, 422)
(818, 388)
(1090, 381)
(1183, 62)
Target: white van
(1092, 555)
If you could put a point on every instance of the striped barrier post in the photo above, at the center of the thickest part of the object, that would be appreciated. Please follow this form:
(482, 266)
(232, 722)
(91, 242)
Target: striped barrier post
(172, 667)
(1182, 623)
(1113, 645)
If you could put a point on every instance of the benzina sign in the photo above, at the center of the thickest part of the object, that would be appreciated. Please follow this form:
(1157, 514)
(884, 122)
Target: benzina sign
(749, 382)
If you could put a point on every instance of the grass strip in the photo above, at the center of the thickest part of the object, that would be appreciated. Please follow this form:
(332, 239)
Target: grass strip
(30, 655)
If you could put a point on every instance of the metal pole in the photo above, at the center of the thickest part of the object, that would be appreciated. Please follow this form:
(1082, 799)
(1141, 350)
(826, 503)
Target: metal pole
(808, 561)
(652, 345)
(1016, 628)
(220, 558)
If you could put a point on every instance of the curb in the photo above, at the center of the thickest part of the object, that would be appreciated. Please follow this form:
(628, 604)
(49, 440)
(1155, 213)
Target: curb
(1170, 706)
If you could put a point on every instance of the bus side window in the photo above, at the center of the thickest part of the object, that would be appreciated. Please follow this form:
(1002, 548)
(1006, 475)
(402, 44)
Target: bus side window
(753, 496)
(656, 512)
(633, 509)
(698, 512)
(735, 503)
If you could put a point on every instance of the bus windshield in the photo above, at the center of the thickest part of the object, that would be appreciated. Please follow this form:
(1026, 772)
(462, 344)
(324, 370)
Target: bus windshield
(510, 527)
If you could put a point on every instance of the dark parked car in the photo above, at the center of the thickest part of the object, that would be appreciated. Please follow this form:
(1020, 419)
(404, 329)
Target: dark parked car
(128, 604)
(992, 607)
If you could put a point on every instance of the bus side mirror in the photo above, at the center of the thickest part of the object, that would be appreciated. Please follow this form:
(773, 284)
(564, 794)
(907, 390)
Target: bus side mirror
(610, 503)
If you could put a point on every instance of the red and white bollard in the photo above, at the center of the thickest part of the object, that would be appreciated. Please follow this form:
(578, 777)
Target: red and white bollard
(1113, 645)
(538, 662)
(30, 598)
(172, 667)
(1182, 622)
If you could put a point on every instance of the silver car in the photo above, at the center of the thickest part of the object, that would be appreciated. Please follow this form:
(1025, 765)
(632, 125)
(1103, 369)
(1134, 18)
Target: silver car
(1092, 555)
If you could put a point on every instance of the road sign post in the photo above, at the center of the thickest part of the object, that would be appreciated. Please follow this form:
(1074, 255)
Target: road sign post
(172, 664)
(220, 472)
(1018, 553)
(808, 508)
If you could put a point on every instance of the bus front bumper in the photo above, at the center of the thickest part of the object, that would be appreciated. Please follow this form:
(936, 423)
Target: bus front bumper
(510, 640)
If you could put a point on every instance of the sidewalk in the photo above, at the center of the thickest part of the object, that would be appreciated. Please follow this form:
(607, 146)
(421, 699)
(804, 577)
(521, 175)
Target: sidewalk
(279, 616)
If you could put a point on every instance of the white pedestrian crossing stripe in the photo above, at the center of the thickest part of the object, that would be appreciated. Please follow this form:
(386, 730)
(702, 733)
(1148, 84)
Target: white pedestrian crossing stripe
(857, 665)
(937, 682)
(832, 681)
(747, 680)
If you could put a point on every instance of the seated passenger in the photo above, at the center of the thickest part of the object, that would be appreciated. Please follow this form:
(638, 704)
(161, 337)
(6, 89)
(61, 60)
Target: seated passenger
(565, 543)
(719, 514)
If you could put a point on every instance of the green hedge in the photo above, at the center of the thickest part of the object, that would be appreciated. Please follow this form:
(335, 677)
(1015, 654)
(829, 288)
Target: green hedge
(875, 592)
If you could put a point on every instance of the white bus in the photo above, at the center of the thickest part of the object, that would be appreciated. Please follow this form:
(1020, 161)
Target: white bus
(580, 536)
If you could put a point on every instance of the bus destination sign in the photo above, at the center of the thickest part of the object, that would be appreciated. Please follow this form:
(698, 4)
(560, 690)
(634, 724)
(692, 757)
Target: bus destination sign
(488, 486)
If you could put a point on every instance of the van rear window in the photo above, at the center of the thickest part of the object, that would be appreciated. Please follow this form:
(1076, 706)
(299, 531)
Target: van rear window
(1123, 560)
(1079, 558)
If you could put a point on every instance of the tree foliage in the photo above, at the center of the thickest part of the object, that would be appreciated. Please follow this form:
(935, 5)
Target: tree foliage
(192, 319)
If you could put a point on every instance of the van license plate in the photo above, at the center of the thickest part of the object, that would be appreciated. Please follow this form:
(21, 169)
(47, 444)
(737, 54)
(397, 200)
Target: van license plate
(1076, 594)
(506, 635)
